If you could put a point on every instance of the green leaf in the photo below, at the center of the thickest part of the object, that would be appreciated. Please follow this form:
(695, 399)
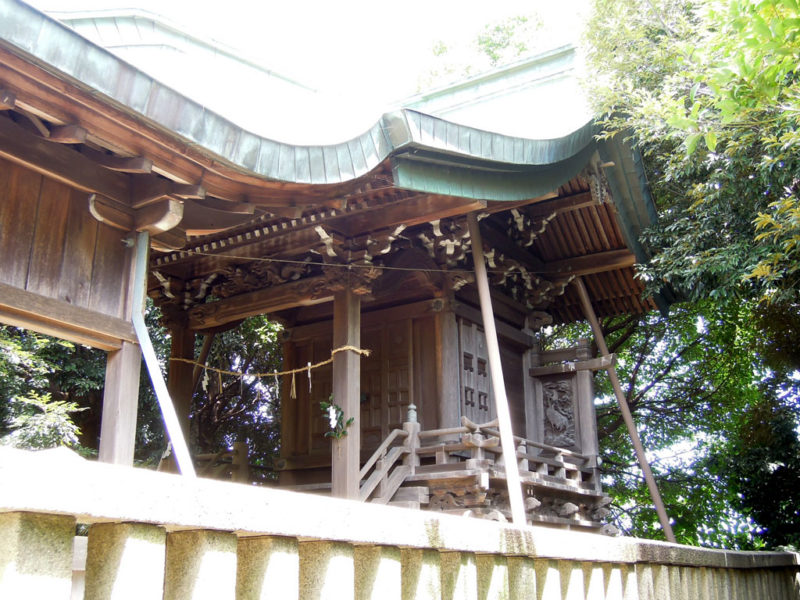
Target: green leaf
(711, 140)
(691, 143)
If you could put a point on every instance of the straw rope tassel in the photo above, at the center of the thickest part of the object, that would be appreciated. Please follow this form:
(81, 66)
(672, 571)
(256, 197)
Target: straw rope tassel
(293, 390)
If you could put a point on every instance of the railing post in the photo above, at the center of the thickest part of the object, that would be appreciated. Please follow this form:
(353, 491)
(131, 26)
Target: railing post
(411, 427)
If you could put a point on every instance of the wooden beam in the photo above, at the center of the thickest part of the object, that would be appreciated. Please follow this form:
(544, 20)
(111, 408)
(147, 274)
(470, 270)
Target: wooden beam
(593, 364)
(21, 308)
(599, 338)
(120, 403)
(123, 164)
(561, 204)
(303, 292)
(590, 263)
(346, 456)
(60, 162)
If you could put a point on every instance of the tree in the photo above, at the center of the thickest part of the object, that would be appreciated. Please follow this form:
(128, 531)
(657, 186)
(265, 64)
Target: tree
(708, 90)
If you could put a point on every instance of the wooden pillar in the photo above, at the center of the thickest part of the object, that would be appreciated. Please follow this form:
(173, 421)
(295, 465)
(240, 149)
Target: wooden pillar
(121, 390)
(180, 378)
(346, 459)
(448, 390)
(120, 403)
(496, 370)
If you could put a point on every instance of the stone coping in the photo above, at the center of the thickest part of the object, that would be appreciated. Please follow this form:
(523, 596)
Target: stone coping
(60, 482)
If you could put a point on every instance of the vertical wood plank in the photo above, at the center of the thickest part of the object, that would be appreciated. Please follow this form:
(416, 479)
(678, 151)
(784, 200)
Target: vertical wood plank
(110, 270)
(346, 393)
(19, 203)
(75, 281)
(47, 252)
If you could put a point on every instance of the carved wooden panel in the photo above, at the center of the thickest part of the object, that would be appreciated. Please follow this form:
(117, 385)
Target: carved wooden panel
(477, 399)
(558, 406)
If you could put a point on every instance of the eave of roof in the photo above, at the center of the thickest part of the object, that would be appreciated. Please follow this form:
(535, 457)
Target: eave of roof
(428, 154)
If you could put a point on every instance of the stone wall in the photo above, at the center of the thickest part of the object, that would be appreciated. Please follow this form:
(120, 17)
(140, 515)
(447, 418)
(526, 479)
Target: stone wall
(154, 535)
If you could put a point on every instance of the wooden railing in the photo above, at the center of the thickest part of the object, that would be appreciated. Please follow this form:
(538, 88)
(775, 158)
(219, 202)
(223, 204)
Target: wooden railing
(157, 536)
(382, 473)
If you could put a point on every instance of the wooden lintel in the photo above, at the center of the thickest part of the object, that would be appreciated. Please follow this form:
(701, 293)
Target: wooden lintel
(8, 99)
(303, 292)
(123, 164)
(503, 329)
(591, 263)
(50, 316)
(67, 134)
(593, 364)
(60, 162)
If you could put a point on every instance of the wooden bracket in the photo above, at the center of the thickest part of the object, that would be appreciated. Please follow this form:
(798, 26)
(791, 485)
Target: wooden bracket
(147, 190)
(155, 218)
(67, 134)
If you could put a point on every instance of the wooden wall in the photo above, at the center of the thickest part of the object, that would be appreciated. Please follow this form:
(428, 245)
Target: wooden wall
(71, 266)
(404, 367)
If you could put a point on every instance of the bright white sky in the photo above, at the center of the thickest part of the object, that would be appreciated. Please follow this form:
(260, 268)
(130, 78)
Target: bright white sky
(364, 55)
(345, 45)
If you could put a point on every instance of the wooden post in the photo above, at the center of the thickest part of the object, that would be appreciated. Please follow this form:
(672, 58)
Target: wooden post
(346, 452)
(496, 370)
(120, 402)
(121, 390)
(180, 377)
(626, 411)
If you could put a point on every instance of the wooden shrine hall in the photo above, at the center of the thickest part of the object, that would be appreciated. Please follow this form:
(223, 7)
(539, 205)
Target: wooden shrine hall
(439, 248)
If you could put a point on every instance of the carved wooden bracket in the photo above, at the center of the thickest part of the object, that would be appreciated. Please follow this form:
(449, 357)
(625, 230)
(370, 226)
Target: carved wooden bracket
(154, 218)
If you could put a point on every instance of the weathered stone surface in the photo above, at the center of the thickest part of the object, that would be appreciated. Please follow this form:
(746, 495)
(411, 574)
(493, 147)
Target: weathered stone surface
(521, 578)
(548, 580)
(267, 567)
(326, 571)
(492, 577)
(125, 561)
(35, 556)
(459, 576)
(421, 575)
(200, 565)
(378, 573)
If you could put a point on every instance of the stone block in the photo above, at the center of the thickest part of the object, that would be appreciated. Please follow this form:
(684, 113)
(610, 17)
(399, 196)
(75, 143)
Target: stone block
(421, 574)
(267, 567)
(521, 578)
(378, 573)
(492, 577)
(200, 565)
(326, 571)
(35, 556)
(125, 561)
(459, 576)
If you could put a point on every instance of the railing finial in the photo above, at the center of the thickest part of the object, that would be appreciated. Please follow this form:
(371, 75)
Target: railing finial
(411, 417)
